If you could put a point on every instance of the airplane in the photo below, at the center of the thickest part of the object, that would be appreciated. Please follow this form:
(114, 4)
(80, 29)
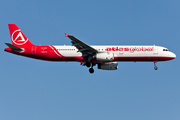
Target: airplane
(106, 57)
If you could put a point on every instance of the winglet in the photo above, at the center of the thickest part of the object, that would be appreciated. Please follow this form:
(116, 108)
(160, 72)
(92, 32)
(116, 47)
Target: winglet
(66, 35)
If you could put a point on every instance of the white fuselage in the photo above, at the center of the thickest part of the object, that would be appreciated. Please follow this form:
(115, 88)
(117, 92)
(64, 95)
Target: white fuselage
(121, 51)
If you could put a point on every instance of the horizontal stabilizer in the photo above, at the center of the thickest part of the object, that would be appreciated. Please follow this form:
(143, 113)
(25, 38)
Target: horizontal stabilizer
(14, 47)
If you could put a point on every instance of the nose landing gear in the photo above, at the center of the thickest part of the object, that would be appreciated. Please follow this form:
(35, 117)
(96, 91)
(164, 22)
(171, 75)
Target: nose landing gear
(155, 67)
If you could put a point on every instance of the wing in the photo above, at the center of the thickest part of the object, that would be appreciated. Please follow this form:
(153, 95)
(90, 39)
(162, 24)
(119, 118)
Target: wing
(86, 50)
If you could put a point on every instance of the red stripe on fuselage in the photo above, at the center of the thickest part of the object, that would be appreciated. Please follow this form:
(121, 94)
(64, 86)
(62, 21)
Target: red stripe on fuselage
(48, 53)
(56, 51)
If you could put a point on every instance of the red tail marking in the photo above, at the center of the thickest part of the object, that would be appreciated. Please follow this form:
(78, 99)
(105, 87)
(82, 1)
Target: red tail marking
(17, 37)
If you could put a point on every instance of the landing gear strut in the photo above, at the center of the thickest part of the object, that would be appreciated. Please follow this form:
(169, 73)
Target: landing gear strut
(155, 67)
(88, 64)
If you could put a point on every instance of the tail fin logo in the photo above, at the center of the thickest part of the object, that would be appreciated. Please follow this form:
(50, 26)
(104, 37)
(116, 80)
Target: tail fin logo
(18, 38)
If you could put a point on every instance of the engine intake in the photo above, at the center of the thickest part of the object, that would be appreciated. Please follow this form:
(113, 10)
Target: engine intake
(108, 66)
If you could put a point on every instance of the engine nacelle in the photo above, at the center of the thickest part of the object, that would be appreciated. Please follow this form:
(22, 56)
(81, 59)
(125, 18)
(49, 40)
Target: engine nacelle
(108, 66)
(105, 57)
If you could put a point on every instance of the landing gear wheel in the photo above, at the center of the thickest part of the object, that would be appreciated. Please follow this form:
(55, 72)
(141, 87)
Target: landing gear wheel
(88, 64)
(155, 67)
(91, 70)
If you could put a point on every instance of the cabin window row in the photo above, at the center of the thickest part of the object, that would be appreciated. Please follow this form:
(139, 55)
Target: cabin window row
(57, 49)
(62, 49)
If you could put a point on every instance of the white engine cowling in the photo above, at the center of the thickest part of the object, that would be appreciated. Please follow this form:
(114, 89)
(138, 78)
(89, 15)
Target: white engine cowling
(105, 57)
(108, 66)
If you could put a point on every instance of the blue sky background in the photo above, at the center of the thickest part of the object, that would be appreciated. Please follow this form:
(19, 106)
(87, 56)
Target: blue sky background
(39, 90)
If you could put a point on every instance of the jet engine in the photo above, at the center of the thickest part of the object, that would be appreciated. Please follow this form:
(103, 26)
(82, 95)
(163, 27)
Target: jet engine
(105, 57)
(108, 66)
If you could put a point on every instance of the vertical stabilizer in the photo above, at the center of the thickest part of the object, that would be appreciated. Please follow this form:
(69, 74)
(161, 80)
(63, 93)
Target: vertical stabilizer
(18, 38)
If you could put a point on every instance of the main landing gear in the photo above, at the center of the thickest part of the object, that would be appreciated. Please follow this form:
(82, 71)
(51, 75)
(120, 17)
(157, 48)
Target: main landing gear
(88, 64)
(155, 67)
(91, 70)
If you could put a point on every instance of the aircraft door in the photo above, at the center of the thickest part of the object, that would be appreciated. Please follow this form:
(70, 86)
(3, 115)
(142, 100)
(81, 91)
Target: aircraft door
(155, 52)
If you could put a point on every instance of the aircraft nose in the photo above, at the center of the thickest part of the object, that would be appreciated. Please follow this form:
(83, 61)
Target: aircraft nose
(173, 55)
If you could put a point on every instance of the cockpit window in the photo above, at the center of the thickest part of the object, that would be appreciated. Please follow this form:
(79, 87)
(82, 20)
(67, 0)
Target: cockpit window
(165, 50)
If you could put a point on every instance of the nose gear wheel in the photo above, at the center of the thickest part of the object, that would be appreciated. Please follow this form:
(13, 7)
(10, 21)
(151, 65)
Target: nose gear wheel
(155, 67)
